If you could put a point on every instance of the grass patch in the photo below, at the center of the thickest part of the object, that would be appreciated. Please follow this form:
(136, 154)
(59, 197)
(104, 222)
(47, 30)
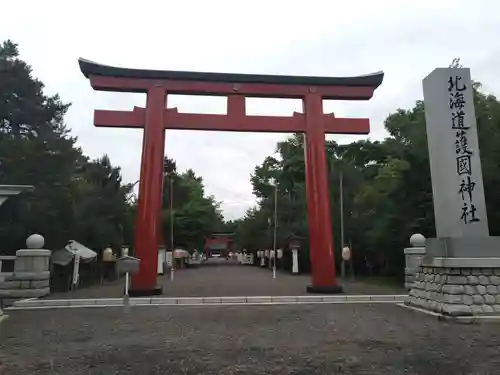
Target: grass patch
(387, 281)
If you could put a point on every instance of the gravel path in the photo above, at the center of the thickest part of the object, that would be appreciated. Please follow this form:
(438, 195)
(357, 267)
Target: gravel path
(319, 339)
(219, 277)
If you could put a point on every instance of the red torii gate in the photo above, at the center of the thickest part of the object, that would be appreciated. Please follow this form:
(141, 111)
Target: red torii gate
(156, 117)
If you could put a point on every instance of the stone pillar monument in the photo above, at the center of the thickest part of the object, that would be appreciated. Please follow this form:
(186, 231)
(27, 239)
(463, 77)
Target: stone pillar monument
(460, 272)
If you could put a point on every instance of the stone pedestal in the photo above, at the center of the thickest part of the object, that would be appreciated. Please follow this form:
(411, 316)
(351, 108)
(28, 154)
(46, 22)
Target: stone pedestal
(413, 258)
(458, 286)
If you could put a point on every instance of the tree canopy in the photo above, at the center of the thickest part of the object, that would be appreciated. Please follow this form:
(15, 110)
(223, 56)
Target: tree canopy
(185, 204)
(75, 197)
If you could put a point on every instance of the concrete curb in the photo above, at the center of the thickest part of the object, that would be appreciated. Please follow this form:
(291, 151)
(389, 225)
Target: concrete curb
(206, 301)
(456, 319)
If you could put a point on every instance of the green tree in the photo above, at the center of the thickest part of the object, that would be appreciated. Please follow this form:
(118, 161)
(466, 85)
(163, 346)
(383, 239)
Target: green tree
(74, 198)
(194, 214)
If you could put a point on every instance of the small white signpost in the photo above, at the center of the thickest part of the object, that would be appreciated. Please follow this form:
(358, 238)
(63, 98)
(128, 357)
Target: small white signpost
(128, 265)
(76, 271)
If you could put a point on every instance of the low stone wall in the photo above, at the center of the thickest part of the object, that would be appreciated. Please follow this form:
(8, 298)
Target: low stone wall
(457, 291)
(28, 286)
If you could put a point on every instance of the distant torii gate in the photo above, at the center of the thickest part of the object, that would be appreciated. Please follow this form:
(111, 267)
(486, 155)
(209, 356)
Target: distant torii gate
(156, 117)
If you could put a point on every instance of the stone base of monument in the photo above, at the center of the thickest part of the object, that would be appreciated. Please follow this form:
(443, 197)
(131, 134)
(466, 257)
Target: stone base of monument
(457, 287)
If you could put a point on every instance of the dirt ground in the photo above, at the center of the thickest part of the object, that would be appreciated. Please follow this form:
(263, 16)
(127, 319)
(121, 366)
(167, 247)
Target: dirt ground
(219, 277)
(293, 339)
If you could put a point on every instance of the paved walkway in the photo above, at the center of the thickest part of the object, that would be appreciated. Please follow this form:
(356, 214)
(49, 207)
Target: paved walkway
(219, 277)
(298, 339)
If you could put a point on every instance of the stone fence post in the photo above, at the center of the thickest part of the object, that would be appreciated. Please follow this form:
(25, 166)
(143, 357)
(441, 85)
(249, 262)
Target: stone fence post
(31, 276)
(413, 258)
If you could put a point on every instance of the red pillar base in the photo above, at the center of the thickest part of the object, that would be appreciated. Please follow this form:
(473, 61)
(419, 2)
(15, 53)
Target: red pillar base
(329, 289)
(156, 291)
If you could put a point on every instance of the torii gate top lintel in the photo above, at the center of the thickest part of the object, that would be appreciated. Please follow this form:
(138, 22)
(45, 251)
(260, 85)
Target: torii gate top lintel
(111, 78)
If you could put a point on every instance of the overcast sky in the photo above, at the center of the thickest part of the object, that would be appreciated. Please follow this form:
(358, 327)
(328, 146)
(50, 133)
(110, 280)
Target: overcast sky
(330, 38)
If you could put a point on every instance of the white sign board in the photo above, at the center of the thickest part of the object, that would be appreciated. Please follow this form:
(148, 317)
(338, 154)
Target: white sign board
(76, 269)
(162, 259)
(457, 180)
